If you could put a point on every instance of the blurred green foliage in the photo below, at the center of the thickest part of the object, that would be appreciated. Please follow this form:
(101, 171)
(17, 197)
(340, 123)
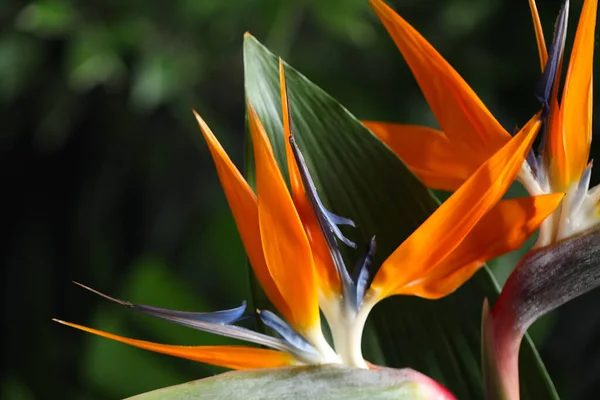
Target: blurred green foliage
(103, 184)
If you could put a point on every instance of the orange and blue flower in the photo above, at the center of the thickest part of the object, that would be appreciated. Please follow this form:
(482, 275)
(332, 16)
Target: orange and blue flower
(292, 241)
(444, 159)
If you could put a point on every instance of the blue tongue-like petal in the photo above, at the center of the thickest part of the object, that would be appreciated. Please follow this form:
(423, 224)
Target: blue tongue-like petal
(550, 77)
(547, 85)
(353, 290)
(327, 222)
(221, 317)
(363, 271)
(217, 322)
(286, 331)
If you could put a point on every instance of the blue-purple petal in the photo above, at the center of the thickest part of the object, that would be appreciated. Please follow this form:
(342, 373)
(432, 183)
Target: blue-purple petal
(221, 317)
(328, 227)
(551, 73)
(286, 331)
(362, 272)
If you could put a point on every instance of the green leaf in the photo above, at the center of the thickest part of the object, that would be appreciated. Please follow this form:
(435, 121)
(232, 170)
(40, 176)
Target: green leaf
(315, 382)
(47, 18)
(358, 177)
(92, 59)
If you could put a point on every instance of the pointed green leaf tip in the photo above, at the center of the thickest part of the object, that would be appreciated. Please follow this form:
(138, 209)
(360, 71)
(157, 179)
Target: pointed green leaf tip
(307, 383)
(358, 177)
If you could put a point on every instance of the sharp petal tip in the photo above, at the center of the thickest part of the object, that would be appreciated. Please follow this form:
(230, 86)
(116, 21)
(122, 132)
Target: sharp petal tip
(81, 284)
(249, 105)
(200, 121)
(118, 301)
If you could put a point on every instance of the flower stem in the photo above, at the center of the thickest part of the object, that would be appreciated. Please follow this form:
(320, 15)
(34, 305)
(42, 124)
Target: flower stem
(500, 353)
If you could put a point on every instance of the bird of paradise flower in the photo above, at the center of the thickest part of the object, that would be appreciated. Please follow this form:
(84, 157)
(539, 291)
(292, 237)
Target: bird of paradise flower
(291, 240)
(444, 159)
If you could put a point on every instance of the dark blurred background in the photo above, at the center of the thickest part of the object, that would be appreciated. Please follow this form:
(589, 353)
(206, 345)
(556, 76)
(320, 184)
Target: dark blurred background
(103, 184)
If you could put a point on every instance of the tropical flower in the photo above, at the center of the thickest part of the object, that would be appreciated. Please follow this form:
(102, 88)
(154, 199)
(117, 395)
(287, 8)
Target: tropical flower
(562, 163)
(292, 242)
(469, 135)
(565, 263)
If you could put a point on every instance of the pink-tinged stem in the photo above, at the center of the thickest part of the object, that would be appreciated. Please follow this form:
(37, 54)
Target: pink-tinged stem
(544, 279)
(500, 351)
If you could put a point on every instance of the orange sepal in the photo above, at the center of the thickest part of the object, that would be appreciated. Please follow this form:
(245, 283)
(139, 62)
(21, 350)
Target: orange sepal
(242, 202)
(295, 178)
(555, 155)
(234, 357)
(329, 281)
(503, 229)
(446, 228)
(285, 245)
(458, 110)
(539, 35)
(576, 104)
(438, 162)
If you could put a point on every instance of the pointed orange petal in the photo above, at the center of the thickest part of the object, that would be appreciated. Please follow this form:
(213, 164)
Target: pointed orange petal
(445, 229)
(242, 202)
(295, 179)
(285, 245)
(576, 102)
(438, 162)
(458, 110)
(329, 281)
(555, 155)
(539, 34)
(503, 229)
(234, 357)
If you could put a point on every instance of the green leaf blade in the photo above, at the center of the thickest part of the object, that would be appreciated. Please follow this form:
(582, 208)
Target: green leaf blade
(325, 382)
